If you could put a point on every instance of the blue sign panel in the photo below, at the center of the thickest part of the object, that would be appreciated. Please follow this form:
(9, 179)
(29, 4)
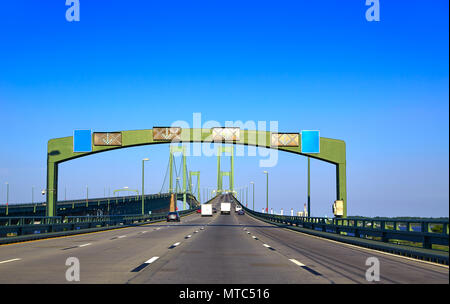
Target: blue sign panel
(82, 141)
(310, 141)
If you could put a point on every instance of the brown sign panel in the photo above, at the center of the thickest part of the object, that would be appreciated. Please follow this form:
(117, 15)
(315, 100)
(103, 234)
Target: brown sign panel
(107, 139)
(166, 133)
(284, 140)
(225, 134)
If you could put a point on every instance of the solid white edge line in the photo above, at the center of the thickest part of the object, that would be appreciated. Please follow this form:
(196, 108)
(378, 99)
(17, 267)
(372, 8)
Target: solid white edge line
(296, 262)
(12, 260)
(84, 245)
(151, 260)
(122, 236)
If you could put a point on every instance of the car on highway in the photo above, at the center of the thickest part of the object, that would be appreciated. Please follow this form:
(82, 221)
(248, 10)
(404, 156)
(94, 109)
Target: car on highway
(214, 210)
(199, 210)
(241, 212)
(173, 216)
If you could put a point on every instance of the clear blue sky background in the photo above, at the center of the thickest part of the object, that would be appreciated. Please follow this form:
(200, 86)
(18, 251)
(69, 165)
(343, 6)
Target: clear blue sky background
(380, 86)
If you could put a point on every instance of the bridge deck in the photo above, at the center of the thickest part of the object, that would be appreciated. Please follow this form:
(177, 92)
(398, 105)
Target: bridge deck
(230, 249)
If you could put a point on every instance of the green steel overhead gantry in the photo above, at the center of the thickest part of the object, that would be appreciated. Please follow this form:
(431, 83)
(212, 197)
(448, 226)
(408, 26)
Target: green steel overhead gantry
(60, 150)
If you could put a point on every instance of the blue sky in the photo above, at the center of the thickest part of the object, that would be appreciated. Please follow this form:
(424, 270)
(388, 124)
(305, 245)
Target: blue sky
(380, 86)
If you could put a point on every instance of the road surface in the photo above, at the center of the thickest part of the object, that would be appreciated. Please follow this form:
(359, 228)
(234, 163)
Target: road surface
(220, 249)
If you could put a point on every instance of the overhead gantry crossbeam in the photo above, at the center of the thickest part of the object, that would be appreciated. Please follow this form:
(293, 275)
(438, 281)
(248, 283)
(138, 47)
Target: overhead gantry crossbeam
(61, 150)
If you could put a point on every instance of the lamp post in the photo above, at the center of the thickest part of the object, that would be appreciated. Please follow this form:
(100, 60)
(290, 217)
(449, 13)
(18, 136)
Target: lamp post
(143, 161)
(87, 196)
(267, 190)
(253, 186)
(32, 194)
(109, 195)
(309, 185)
(7, 198)
(246, 195)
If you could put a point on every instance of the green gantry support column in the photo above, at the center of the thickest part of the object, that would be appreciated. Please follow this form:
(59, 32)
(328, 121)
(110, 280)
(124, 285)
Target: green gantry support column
(221, 174)
(60, 150)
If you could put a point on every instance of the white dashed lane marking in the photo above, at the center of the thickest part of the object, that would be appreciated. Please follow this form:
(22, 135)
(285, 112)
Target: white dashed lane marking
(7, 261)
(268, 246)
(296, 262)
(174, 245)
(304, 267)
(145, 264)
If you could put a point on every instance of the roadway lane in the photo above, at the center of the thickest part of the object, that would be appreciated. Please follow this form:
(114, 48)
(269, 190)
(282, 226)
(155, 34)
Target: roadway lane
(105, 257)
(341, 263)
(225, 254)
(220, 249)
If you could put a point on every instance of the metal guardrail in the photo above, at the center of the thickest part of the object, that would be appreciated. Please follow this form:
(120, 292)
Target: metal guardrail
(12, 227)
(426, 232)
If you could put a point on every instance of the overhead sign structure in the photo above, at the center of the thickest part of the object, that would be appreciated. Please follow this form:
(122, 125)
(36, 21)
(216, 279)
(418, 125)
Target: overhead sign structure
(166, 133)
(107, 138)
(82, 141)
(67, 148)
(225, 134)
(310, 141)
(284, 140)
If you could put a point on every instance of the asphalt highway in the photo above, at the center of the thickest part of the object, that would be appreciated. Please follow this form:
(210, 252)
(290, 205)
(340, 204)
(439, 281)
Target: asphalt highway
(219, 249)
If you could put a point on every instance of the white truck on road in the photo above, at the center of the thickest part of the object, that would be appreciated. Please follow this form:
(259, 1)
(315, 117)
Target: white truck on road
(225, 208)
(206, 210)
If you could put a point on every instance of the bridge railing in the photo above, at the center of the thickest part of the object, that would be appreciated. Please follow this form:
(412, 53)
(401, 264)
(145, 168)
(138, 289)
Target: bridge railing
(68, 204)
(35, 225)
(92, 200)
(430, 234)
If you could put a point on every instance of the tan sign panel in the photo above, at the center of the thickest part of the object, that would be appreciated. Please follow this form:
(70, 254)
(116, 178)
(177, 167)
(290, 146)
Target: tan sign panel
(284, 140)
(107, 139)
(166, 133)
(225, 134)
